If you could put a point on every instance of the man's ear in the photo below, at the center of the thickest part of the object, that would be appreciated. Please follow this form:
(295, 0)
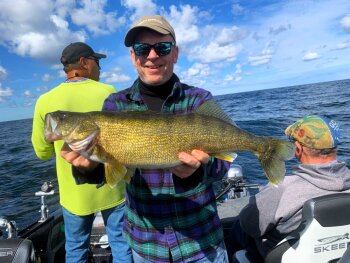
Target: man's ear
(133, 57)
(176, 54)
(298, 148)
(83, 63)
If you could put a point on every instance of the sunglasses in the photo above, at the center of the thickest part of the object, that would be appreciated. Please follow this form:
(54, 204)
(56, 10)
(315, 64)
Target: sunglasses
(161, 48)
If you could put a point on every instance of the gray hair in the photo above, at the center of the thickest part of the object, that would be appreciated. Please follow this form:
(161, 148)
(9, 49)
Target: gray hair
(321, 152)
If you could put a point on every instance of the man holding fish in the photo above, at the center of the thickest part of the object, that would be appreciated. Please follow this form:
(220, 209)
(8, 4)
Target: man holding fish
(171, 214)
(157, 135)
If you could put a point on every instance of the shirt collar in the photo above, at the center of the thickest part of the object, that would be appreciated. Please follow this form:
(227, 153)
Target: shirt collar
(177, 91)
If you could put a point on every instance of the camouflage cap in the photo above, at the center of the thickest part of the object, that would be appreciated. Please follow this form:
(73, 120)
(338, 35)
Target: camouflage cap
(156, 23)
(315, 132)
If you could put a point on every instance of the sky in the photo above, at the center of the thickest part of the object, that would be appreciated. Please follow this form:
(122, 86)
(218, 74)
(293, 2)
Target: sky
(225, 46)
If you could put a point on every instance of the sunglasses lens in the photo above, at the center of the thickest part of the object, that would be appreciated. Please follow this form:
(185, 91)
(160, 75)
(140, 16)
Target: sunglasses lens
(141, 49)
(161, 48)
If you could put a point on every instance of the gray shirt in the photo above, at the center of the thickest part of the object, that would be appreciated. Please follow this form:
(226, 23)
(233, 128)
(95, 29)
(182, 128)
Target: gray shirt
(276, 211)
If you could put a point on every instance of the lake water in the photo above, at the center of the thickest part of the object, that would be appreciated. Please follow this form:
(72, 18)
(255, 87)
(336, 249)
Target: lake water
(264, 113)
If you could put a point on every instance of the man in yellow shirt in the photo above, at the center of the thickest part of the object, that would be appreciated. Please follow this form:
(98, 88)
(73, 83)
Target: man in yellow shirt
(79, 196)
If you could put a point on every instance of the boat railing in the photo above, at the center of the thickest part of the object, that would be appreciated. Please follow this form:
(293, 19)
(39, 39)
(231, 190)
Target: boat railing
(10, 225)
(46, 190)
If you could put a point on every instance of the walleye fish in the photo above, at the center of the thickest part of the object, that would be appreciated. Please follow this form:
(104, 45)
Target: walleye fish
(144, 139)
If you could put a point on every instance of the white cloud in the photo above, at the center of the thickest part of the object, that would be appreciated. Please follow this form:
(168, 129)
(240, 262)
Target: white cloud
(44, 31)
(237, 9)
(230, 34)
(184, 22)
(264, 58)
(294, 30)
(279, 29)
(259, 60)
(311, 56)
(343, 45)
(139, 8)
(28, 94)
(197, 69)
(37, 33)
(345, 23)
(91, 15)
(42, 89)
(57, 66)
(6, 92)
(236, 76)
(3, 72)
(115, 75)
(46, 77)
(62, 74)
(215, 53)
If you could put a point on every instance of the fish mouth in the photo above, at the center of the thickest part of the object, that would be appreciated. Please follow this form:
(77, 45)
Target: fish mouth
(51, 129)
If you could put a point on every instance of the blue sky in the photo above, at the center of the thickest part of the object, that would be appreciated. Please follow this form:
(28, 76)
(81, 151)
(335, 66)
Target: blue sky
(226, 46)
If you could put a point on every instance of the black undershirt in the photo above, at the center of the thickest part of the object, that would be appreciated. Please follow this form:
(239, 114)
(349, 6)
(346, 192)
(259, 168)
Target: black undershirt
(154, 96)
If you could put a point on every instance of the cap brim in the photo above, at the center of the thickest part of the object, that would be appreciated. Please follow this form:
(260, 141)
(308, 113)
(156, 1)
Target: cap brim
(97, 55)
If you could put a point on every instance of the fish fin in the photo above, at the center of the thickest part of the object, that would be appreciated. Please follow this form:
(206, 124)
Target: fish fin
(230, 157)
(273, 157)
(130, 173)
(115, 172)
(212, 108)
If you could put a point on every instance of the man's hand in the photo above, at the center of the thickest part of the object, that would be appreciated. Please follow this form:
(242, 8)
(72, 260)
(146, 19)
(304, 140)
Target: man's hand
(191, 162)
(76, 159)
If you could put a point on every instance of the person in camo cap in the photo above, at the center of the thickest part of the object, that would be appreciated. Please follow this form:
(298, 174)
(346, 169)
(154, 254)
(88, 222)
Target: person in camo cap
(276, 211)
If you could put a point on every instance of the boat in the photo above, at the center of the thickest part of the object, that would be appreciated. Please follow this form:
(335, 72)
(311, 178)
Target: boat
(44, 240)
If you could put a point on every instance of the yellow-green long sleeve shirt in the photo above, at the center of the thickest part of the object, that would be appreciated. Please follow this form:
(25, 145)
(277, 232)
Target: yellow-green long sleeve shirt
(80, 96)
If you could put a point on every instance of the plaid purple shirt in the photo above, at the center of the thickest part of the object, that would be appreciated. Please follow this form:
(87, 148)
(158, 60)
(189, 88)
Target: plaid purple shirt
(160, 217)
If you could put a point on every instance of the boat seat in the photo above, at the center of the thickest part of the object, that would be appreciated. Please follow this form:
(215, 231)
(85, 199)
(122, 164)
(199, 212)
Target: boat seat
(323, 235)
(17, 250)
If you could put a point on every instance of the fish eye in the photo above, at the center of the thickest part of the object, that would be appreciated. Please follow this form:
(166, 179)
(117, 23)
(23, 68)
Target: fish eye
(62, 117)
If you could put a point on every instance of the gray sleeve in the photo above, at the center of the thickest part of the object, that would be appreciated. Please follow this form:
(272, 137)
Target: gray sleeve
(259, 216)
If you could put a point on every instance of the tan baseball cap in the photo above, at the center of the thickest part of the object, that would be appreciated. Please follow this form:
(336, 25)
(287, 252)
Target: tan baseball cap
(156, 23)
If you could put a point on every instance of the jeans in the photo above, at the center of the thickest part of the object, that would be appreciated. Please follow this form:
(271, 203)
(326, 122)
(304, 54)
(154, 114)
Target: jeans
(220, 257)
(78, 231)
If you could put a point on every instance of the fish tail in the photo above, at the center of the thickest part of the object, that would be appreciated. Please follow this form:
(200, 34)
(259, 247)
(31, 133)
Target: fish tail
(272, 158)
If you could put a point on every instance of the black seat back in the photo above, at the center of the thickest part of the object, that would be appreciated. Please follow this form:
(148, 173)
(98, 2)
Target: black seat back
(17, 250)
